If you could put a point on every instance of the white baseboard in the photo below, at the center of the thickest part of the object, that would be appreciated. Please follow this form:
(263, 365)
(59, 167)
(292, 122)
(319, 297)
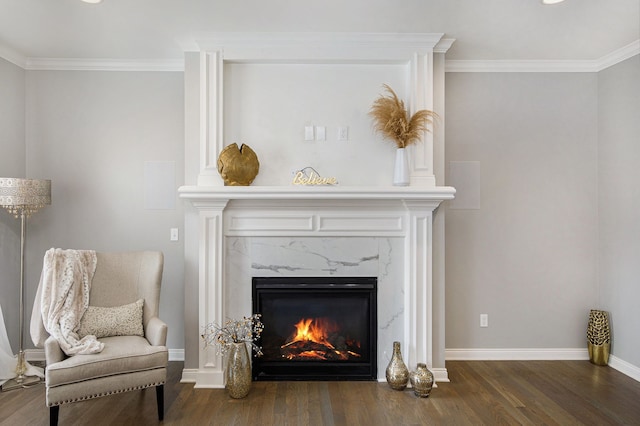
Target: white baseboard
(189, 375)
(34, 354)
(440, 375)
(624, 367)
(176, 354)
(553, 354)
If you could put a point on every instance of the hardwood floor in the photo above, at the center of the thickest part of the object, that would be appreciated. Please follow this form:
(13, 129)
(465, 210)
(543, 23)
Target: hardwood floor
(480, 393)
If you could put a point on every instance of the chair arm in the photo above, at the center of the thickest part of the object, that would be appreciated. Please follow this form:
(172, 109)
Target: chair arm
(156, 332)
(52, 351)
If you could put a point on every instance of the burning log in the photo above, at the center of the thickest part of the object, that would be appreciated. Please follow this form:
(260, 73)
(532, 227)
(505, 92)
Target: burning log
(319, 340)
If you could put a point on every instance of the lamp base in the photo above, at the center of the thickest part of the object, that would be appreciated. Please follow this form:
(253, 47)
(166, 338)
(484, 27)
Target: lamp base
(21, 380)
(27, 381)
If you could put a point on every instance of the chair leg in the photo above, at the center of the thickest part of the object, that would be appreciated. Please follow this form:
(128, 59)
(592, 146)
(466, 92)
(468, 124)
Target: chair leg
(53, 415)
(160, 401)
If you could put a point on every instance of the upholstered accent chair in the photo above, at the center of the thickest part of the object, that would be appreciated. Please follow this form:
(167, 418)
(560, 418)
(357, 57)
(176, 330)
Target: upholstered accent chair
(126, 363)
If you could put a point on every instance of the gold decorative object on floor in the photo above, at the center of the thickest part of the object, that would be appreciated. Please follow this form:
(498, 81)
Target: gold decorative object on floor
(238, 166)
(238, 371)
(397, 372)
(232, 338)
(421, 380)
(599, 337)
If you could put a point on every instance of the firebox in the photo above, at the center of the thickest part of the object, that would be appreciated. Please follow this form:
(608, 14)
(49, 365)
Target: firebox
(316, 328)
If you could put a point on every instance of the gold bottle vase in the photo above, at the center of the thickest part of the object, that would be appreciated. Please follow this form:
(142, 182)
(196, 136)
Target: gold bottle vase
(599, 337)
(397, 372)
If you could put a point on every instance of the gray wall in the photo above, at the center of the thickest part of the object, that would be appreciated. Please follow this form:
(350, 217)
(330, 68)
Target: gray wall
(557, 159)
(619, 204)
(91, 134)
(527, 257)
(12, 164)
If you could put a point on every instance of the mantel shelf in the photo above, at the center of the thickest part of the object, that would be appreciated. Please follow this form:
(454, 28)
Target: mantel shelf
(438, 193)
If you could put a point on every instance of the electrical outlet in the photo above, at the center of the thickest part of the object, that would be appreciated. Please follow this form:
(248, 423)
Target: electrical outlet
(343, 133)
(484, 320)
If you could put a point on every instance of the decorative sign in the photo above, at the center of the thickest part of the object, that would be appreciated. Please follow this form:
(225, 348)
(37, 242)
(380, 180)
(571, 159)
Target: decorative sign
(309, 176)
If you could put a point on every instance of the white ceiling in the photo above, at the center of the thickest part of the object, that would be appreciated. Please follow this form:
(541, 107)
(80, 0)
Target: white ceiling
(163, 29)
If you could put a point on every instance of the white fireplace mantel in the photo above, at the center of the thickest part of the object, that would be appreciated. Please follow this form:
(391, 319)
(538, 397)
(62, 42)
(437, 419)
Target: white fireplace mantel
(350, 217)
(331, 212)
(300, 192)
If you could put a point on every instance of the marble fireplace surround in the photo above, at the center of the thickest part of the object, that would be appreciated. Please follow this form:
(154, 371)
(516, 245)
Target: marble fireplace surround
(319, 231)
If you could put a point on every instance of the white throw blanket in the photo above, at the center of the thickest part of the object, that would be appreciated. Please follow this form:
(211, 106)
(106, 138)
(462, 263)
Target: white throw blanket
(66, 282)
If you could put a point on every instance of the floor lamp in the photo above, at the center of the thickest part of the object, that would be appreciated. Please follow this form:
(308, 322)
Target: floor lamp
(22, 198)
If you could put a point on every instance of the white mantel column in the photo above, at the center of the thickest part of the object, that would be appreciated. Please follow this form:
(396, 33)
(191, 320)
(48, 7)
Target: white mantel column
(418, 283)
(211, 275)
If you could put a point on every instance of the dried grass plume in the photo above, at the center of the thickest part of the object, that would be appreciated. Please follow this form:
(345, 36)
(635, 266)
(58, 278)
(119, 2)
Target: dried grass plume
(391, 119)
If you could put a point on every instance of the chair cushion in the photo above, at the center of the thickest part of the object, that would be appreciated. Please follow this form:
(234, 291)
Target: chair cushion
(125, 320)
(121, 355)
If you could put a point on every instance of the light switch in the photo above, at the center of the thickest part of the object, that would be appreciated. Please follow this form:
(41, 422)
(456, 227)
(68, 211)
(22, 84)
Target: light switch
(308, 133)
(484, 320)
(174, 234)
(321, 133)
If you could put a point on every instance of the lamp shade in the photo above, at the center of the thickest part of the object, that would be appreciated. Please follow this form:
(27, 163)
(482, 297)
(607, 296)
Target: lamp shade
(24, 195)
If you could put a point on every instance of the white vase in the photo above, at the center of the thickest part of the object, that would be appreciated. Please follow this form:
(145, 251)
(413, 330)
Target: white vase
(401, 169)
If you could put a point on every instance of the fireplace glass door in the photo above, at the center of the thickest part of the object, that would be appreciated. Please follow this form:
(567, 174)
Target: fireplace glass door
(318, 328)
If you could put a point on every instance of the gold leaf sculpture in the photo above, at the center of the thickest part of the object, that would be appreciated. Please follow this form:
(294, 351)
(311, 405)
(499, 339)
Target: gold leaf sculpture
(238, 166)
(391, 119)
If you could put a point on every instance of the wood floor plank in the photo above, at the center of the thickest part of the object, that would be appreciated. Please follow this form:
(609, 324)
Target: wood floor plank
(480, 393)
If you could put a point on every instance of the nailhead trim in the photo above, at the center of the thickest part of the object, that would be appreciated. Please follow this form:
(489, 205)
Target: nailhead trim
(84, 398)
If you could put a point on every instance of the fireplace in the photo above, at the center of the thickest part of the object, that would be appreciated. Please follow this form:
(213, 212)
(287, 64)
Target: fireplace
(227, 225)
(316, 328)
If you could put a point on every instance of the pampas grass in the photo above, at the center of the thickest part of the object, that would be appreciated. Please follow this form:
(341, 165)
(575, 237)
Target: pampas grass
(391, 119)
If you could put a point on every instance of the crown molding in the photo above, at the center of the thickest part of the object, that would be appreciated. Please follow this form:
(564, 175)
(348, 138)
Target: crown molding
(519, 66)
(617, 56)
(444, 45)
(451, 65)
(596, 65)
(77, 64)
(12, 56)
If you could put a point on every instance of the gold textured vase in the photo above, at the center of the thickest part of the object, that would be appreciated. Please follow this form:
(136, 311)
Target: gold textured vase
(238, 372)
(238, 166)
(598, 337)
(397, 372)
(421, 380)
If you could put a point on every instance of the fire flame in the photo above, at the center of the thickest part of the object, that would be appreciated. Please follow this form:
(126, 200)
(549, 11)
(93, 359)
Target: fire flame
(318, 331)
(313, 330)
